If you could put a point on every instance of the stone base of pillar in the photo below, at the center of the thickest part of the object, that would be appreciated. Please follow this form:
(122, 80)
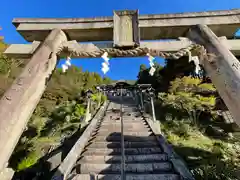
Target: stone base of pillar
(6, 174)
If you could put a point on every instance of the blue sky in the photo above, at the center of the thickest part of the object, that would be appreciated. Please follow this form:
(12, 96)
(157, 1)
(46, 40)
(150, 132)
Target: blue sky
(121, 68)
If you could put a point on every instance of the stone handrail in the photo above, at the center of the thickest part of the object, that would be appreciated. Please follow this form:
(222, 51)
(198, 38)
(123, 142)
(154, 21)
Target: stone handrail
(68, 163)
(178, 163)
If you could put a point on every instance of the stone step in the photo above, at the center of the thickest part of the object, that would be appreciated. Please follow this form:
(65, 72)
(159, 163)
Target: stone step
(118, 129)
(130, 123)
(126, 138)
(133, 112)
(160, 167)
(126, 133)
(125, 120)
(130, 128)
(128, 177)
(109, 121)
(134, 120)
(126, 144)
(131, 109)
(129, 115)
(128, 159)
(117, 151)
(111, 125)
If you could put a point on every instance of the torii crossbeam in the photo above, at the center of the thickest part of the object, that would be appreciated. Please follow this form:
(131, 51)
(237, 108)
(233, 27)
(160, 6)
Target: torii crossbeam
(54, 38)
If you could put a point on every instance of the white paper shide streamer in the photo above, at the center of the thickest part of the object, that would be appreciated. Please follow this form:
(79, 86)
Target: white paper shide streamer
(195, 59)
(66, 65)
(105, 64)
(152, 69)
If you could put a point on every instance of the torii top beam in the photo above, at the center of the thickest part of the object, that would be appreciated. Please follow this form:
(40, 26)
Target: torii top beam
(152, 27)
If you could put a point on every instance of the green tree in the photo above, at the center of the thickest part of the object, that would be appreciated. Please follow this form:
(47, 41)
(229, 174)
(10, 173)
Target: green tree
(57, 115)
(184, 96)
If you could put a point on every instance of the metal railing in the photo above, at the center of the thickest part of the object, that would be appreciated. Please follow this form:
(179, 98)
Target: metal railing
(122, 140)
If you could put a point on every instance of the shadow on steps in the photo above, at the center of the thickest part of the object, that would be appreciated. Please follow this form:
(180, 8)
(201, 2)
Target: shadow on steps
(144, 159)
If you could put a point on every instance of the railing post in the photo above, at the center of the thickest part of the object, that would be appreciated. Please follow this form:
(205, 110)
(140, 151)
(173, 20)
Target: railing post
(88, 110)
(135, 96)
(122, 140)
(153, 108)
(88, 114)
(141, 98)
(20, 100)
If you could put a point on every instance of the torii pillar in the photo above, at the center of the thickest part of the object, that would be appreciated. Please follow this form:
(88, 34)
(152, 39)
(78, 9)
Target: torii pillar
(20, 100)
(221, 66)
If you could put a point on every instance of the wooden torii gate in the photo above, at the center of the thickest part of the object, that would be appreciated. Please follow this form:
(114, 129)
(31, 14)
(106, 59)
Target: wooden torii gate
(56, 38)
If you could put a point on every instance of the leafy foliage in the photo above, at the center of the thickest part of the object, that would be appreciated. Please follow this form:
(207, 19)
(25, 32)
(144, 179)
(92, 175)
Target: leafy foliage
(162, 77)
(60, 112)
(29, 160)
(181, 96)
(185, 106)
(9, 69)
(62, 107)
(207, 158)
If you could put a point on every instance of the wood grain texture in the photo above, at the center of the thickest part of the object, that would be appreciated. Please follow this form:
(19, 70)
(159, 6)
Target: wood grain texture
(126, 31)
(152, 26)
(20, 100)
(221, 66)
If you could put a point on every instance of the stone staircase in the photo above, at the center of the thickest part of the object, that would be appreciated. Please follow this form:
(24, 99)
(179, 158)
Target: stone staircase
(144, 157)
